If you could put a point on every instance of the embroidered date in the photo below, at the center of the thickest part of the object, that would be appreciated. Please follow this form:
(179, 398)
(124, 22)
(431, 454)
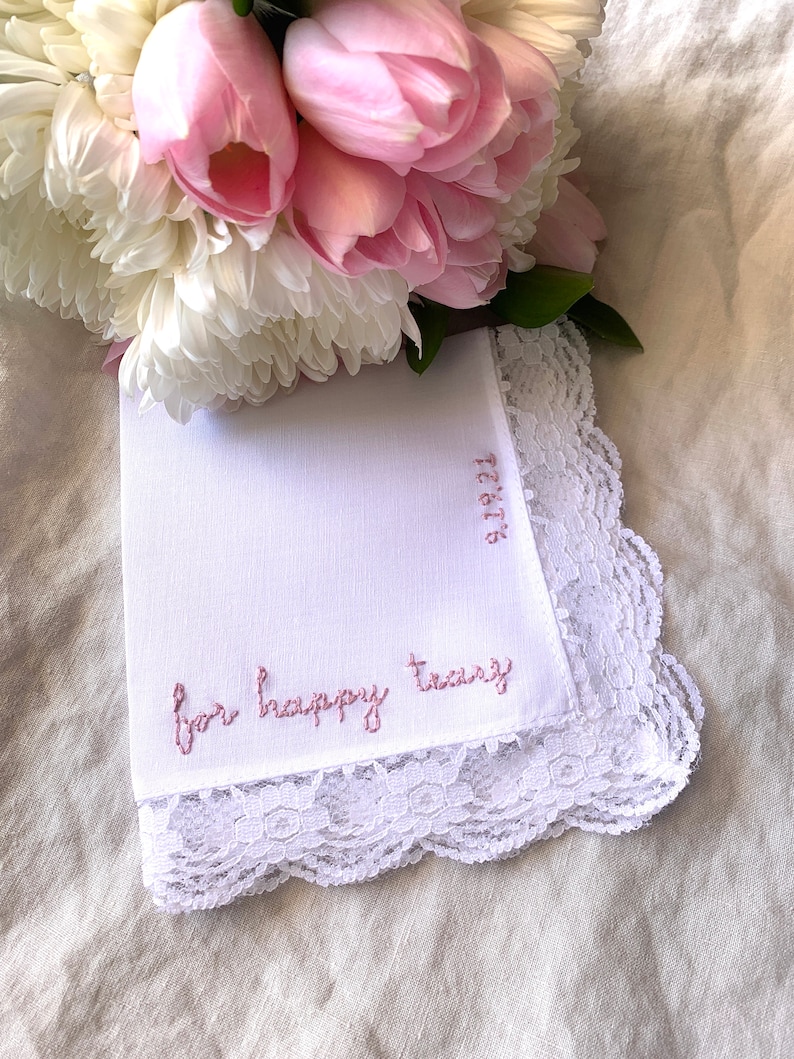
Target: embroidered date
(491, 497)
(320, 701)
(455, 678)
(184, 727)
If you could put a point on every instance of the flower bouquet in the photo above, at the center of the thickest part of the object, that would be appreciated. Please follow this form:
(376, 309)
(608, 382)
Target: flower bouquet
(238, 196)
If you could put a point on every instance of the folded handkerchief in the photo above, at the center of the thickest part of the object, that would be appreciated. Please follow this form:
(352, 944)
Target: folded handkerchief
(390, 615)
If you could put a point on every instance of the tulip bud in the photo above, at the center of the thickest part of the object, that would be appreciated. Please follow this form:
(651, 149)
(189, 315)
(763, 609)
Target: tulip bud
(209, 99)
(568, 230)
(399, 81)
(356, 215)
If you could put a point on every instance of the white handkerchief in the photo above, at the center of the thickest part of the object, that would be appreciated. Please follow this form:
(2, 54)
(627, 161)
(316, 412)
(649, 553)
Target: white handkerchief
(390, 614)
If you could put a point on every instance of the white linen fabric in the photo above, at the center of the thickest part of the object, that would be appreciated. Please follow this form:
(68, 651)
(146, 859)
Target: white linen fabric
(422, 490)
(326, 557)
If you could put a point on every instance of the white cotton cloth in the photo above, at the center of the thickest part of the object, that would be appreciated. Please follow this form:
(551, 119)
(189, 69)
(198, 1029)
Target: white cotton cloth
(330, 538)
(347, 640)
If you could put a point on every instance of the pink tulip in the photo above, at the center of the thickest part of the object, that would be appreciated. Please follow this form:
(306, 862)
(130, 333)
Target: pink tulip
(356, 214)
(475, 268)
(527, 136)
(209, 99)
(568, 230)
(399, 81)
(467, 286)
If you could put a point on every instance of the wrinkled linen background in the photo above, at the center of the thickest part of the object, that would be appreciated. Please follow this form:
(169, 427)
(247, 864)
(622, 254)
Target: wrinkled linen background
(674, 941)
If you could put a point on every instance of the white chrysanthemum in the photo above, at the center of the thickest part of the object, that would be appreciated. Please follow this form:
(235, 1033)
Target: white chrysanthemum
(554, 27)
(248, 323)
(215, 312)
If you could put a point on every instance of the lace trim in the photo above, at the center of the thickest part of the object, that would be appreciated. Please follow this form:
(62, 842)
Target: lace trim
(625, 754)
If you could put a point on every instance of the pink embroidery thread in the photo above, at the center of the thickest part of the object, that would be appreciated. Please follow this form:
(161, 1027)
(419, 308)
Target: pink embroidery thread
(495, 535)
(456, 677)
(261, 677)
(184, 727)
(320, 701)
(488, 498)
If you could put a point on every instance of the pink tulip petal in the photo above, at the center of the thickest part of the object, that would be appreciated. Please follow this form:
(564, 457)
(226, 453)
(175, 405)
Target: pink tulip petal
(421, 232)
(518, 123)
(464, 216)
(557, 242)
(528, 73)
(575, 207)
(412, 230)
(568, 230)
(116, 350)
(247, 61)
(352, 99)
(338, 193)
(332, 249)
(384, 251)
(492, 111)
(239, 174)
(197, 185)
(528, 151)
(439, 95)
(486, 251)
(425, 28)
(464, 288)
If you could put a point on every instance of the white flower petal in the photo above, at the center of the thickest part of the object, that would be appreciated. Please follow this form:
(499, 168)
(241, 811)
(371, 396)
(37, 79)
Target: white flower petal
(29, 98)
(581, 19)
(24, 34)
(22, 68)
(21, 8)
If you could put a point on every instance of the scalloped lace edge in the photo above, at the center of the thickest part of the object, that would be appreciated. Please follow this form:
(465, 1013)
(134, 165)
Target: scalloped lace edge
(609, 766)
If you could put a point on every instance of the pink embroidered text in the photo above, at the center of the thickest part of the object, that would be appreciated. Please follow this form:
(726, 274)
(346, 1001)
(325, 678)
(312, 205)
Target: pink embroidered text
(184, 727)
(491, 497)
(320, 701)
(457, 677)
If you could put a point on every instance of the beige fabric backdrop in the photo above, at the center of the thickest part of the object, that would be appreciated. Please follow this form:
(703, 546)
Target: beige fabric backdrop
(673, 942)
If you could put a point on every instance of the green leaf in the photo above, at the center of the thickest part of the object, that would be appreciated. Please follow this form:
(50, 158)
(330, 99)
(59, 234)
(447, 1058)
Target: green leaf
(540, 296)
(432, 320)
(605, 321)
(243, 7)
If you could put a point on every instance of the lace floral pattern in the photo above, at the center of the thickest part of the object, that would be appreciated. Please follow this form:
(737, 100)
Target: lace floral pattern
(623, 755)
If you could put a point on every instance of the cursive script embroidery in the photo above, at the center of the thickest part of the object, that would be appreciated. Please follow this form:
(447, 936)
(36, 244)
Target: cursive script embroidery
(321, 701)
(455, 678)
(491, 497)
(184, 727)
